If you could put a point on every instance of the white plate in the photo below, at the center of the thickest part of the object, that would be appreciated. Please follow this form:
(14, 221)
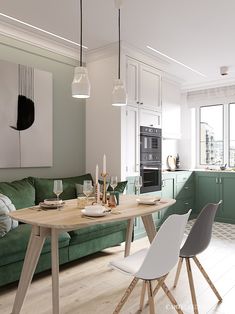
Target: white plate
(146, 201)
(93, 214)
(51, 206)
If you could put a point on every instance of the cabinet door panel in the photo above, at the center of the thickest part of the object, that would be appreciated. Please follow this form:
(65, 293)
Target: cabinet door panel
(150, 87)
(132, 141)
(207, 190)
(132, 82)
(227, 210)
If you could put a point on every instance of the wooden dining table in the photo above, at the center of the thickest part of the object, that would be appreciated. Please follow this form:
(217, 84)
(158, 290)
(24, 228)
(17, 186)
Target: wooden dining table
(49, 223)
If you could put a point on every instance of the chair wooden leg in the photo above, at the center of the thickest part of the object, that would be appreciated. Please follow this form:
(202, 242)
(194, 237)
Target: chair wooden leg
(178, 271)
(207, 278)
(190, 278)
(171, 298)
(142, 295)
(151, 297)
(126, 295)
(159, 284)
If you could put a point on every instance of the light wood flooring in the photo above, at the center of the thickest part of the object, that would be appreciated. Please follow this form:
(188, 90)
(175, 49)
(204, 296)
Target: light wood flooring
(89, 286)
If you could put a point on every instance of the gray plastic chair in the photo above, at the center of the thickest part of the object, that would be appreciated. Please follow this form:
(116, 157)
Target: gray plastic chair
(197, 241)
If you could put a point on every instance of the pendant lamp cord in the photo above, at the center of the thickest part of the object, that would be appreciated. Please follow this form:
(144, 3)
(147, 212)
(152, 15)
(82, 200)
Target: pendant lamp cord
(119, 43)
(81, 33)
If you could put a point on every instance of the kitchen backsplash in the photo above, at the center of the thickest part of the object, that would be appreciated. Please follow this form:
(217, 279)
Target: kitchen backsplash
(169, 147)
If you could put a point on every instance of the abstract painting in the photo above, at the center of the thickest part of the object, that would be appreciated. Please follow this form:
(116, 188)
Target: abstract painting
(25, 116)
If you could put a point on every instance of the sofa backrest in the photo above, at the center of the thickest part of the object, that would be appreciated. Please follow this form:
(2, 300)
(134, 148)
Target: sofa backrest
(20, 192)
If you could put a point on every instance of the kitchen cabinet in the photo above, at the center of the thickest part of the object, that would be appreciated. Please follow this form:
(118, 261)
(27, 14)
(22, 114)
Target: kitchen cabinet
(143, 83)
(178, 185)
(132, 141)
(150, 118)
(213, 187)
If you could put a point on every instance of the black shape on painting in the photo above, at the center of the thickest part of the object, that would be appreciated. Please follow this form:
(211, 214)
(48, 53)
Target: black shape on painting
(26, 114)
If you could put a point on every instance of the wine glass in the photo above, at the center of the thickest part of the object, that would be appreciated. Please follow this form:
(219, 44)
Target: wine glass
(87, 188)
(113, 182)
(138, 184)
(58, 189)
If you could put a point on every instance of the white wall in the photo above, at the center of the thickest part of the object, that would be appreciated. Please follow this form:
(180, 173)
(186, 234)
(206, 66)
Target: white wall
(103, 121)
(171, 119)
(187, 144)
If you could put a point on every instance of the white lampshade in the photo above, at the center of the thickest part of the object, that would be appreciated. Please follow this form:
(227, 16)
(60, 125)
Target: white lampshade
(81, 85)
(119, 94)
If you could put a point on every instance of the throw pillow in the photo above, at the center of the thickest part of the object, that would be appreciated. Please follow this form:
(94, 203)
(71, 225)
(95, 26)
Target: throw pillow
(120, 187)
(6, 222)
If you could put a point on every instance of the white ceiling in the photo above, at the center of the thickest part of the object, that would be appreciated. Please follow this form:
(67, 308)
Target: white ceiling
(198, 33)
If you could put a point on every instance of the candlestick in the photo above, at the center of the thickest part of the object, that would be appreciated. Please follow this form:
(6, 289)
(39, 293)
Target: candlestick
(96, 174)
(97, 193)
(104, 199)
(104, 164)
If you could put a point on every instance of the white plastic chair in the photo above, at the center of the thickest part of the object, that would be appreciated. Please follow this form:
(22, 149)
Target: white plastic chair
(155, 262)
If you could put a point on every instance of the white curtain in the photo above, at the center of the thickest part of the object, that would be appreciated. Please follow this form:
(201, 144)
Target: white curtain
(211, 96)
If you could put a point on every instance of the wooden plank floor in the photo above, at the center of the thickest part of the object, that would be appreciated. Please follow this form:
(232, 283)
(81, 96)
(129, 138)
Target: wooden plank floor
(89, 286)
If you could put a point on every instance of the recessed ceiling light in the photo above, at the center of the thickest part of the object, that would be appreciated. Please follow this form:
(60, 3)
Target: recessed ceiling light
(178, 62)
(40, 29)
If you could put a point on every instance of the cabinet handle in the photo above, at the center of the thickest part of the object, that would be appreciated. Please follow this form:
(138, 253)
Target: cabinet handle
(186, 203)
(216, 180)
(186, 187)
(220, 180)
(141, 103)
(163, 183)
(151, 125)
(137, 102)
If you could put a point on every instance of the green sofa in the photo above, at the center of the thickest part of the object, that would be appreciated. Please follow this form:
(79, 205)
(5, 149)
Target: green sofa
(72, 245)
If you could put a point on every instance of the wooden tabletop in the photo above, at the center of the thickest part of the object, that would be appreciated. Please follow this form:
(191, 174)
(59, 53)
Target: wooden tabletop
(70, 216)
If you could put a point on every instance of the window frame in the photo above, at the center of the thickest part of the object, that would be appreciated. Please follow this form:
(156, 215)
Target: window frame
(226, 134)
(229, 132)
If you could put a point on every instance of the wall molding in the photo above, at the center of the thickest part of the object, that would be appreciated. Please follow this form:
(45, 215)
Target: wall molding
(38, 39)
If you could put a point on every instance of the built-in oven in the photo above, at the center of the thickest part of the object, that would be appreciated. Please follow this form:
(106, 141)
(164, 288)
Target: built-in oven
(151, 177)
(150, 158)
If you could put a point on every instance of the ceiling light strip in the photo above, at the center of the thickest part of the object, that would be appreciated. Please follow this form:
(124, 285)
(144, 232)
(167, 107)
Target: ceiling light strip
(178, 62)
(40, 29)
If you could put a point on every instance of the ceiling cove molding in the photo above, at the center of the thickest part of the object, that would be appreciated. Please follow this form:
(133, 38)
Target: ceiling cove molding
(206, 85)
(44, 41)
(128, 50)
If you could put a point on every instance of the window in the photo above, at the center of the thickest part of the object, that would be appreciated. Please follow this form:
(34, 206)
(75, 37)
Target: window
(232, 135)
(211, 135)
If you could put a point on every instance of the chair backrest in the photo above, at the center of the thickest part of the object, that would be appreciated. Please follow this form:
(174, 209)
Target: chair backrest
(163, 253)
(200, 235)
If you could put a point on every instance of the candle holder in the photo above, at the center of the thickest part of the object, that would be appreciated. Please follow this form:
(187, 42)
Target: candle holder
(104, 198)
(97, 193)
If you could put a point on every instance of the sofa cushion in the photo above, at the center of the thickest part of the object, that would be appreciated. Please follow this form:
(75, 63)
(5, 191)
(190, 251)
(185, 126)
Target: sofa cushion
(13, 245)
(6, 222)
(21, 192)
(96, 231)
(44, 187)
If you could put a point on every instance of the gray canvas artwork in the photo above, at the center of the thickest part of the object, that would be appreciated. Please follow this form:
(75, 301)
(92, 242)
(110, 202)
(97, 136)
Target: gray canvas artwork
(25, 116)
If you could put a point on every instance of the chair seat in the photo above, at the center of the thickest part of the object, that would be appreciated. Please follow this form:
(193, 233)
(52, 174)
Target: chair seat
(130, 264)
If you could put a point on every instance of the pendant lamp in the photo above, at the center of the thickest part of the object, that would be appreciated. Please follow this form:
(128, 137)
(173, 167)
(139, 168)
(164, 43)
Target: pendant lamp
(119, 91)
(81, 85)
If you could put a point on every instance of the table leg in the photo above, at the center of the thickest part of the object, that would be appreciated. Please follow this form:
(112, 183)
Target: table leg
(149, 226)
(129, 233)
(55, 271)
(36, 241)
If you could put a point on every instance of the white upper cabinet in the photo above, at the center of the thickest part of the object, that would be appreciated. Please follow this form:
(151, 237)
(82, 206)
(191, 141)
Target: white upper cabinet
(132, 141)
(150, 87)
(150, 118)
(143, 84)
(132, 82)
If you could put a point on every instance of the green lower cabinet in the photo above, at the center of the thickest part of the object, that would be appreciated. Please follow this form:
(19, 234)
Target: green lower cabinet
(212, 187)
(227, 190)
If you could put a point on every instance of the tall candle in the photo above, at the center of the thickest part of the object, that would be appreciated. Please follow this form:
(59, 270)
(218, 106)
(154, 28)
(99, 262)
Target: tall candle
(96, 174)
(104, 164)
